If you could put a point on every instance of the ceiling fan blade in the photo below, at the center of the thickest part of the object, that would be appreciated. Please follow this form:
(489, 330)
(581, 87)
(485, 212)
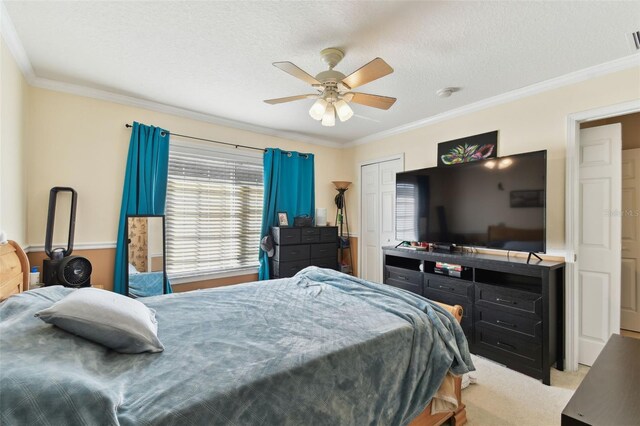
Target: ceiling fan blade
(289, 99)
(382, 102)
(366, 74)
(296, 71)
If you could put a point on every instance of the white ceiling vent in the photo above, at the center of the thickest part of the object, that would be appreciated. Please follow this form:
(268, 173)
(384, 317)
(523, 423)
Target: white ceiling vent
(634, 41)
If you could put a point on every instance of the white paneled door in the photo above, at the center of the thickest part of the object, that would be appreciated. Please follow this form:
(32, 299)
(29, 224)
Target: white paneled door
(378, 209)
(599, 239)
(630, 297)
(370, 175)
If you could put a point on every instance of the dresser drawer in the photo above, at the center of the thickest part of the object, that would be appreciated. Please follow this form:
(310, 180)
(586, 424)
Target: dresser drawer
(309, 235)
(450, 285)
(327, 262)
(405, 285)
(287, 269)
(283, 236)
(404, 279)
(510, 300)
(507, 347)
(291, 253)
(400, 274)
(528, 327)
(328, 234)
(324, 250)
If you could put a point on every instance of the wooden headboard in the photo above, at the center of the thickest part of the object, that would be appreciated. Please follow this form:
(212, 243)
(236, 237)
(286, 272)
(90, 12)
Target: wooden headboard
(14, 270)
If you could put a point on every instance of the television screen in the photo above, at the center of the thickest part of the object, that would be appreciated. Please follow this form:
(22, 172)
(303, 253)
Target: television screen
(497, 203)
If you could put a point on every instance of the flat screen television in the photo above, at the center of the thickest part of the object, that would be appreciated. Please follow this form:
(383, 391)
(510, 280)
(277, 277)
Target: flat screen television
(498, 203)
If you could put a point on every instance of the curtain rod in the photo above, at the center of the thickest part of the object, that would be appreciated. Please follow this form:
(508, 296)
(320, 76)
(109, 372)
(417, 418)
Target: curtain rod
(207, 140)
(306, 155)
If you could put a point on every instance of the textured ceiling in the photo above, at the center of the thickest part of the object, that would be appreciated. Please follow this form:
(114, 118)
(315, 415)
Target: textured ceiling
(215, 57)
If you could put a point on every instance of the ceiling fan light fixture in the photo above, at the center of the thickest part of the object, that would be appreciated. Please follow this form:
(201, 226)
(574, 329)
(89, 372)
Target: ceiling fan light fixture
(333, 88)
(329, 118)
(318, 109)
(343, 110)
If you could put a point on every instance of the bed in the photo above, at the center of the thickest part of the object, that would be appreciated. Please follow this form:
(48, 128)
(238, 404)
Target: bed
(319, 348)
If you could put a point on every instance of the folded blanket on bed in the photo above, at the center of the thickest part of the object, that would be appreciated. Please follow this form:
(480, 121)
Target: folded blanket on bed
(320, 348)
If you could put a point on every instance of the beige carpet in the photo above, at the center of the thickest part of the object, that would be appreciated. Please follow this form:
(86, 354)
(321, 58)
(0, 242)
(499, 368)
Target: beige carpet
(506, 397)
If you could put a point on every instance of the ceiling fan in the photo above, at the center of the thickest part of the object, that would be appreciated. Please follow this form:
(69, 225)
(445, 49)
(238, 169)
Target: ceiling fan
(334, 88)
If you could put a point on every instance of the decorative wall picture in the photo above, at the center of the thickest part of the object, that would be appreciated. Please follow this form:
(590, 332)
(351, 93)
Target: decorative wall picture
(283, 219)
(533, 198)
(465, 150)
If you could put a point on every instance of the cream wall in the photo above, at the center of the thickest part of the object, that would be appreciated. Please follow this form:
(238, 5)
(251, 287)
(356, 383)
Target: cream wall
(533, 123)
(82, 142)
(13, 189)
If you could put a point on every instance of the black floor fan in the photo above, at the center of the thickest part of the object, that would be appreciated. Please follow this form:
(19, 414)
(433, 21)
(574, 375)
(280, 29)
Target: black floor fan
(61, 268)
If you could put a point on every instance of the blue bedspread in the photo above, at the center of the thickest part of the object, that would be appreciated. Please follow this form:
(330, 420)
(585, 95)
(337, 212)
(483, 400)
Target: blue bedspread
(145, 284)
(321, 348)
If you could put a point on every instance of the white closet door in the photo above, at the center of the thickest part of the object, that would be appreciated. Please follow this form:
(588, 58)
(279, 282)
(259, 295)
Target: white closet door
(600, 237)
(371, 258)
(378, 214)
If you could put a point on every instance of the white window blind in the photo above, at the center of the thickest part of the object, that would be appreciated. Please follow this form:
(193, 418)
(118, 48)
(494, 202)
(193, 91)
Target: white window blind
(213, 212)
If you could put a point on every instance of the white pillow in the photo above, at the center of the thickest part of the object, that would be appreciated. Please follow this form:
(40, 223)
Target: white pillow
(132, 270)
(113, 320)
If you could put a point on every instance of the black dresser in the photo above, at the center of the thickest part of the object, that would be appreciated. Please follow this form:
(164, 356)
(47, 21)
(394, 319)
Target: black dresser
(513, 311)
(299, 247)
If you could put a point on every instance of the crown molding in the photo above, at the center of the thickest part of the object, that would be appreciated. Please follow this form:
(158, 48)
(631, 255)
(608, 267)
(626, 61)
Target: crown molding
(104, 95)
(14, 44)
(534, 89)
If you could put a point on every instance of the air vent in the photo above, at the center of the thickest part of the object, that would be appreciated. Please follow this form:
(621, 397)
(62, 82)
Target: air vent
(634, 41)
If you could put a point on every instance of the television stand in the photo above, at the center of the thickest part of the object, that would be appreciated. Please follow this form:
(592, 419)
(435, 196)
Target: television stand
(533, 254)
(513, 310)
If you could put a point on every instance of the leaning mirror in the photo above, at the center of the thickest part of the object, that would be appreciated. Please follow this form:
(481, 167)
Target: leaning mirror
(145, 256)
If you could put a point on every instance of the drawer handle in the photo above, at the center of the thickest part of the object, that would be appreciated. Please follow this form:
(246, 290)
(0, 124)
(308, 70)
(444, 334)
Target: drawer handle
(505, 301)
(402, 277)
(499, 343)
(322, 250)
(446, 288)
(288, 236)
(294, 252)
(506, 323)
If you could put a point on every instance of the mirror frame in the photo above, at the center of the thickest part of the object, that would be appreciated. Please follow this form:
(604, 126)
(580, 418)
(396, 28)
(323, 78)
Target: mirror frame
(164, 250)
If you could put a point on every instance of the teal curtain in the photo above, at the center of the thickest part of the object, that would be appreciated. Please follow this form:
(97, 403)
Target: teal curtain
(145, 188)
(289, 186)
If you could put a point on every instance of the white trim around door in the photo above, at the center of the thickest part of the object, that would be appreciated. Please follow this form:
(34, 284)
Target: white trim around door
(572, 219)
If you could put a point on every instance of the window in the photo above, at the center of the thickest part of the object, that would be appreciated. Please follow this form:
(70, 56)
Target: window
(214, 211)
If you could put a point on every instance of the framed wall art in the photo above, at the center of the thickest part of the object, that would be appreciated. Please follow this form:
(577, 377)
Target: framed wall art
(471, 148)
